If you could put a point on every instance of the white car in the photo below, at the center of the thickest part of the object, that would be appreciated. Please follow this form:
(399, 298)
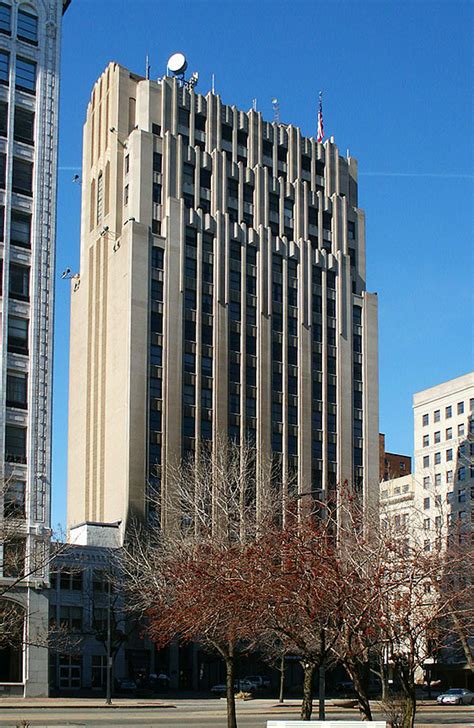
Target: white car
(258, 681)
(243, 686)
(456, 696)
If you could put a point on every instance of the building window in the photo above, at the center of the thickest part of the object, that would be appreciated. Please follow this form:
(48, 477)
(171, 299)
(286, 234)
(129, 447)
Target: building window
(24, 125)
(449, 476)
(19, 282)
(461, 430)
(25, 75)
(20, 229)
(426, 503)
(426, 461)
(14, 552)
(438, 479)
(426, 482)
(449, 454)
(17, 335)
(426, 440)
(70, 671)
(15, 444)
(462, 473)
(4, 67)
(437, 415)
(14, 499)
(449, 412)
(449, 433)
(17, 388)
(437, 437)
(3, 169)
(99, 671)
(100, 199)
(22, 181)
(5, 18)
(27, 27)
(70, 580)
(460, 408)
(3, 118)
(437, 458)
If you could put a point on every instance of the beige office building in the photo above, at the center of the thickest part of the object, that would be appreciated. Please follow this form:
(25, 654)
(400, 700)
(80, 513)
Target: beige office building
(221, 293)
(438, 499)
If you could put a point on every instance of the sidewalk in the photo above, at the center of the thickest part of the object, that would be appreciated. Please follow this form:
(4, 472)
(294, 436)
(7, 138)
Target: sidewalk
(79, 703)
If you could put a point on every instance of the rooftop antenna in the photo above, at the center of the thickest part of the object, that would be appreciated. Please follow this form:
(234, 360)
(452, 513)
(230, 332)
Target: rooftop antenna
(254, 104)
(177, 64)
(213, 87)
(147, 67)
(276, 111)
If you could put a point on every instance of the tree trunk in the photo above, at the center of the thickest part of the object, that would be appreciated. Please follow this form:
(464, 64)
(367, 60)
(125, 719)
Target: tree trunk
(282, 678)
(307, 704)
(360, 677)
(407, 679)
(231, 714)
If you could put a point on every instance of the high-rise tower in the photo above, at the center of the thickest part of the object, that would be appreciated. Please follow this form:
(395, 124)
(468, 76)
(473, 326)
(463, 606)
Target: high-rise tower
(29, 83)
(221, 293)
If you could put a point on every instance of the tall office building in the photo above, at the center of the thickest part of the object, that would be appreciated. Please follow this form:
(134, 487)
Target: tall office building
(29, 82)
(221, 294)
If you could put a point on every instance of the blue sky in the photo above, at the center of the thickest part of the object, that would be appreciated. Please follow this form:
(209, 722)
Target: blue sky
(397, 80)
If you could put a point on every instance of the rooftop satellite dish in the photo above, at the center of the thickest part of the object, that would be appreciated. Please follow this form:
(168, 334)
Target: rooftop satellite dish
(177, 64)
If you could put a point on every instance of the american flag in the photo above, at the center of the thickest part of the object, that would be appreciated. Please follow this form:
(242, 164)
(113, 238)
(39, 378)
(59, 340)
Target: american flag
(320, 119)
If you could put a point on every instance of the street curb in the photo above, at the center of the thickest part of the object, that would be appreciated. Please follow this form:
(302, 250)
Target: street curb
(79, 706)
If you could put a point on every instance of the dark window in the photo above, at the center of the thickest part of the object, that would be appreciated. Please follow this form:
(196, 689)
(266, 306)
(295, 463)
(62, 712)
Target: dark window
(234, 372)
(156, 129)
(331, 451)
(331, 334)
(206, 334)
(331, 307)
(188, 174)
(157, 162)
(292, 445)
(157, 290)
(234, 404)
(206, 429)
(207, 242)
(24, 125)
(331, 279)
(317, 332)
(189, 394)
(331, 423)
(277, 322)
(15, 444)
(357, 343)
(189, 362)
(317, 419)
(332, 364)
(14, 499)
(357, 428)
(20, 229)
(2, 222)
(326, 220)
(3, 118)
(188, 426)
(235, 250)
(4, 67)
(156, 355)
(206, 301)
(277, 351)
(232, 189)
(157, 193)
(234, 311)
(277, 292)
(358, 400)
(200, 122)
(22, 181)
(3, 163)
(25, 75)
(251, 315)
(358, 456)
(156, 322)
(5, 18)
(206, 398)
(357, 315)
(207, 272)
(205, 179)
(292, 355)
(274, 205)
(17, 335)
(292, 415)
(17, 389)
(190, 267)
(157, 258)
(19, 282)
(317, 448)
(292, 297)
(292, 385)
(190, 299)
(206, 366)
(183, 116)
(234, 280)
(226, 131)
(14, 557)
(190, 330)
(234, 341)
(251, 343)
(267, 148)
(277, 442)
(27, 27)
(251, 376)
(358, 372)
(332, 394)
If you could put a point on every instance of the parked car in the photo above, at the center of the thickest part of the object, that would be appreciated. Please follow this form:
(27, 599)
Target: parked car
(456, 696)
(258, 681)
(126, 687)
(239, 686)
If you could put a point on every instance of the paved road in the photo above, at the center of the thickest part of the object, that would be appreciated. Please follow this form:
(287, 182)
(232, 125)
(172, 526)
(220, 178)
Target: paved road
(199, 714)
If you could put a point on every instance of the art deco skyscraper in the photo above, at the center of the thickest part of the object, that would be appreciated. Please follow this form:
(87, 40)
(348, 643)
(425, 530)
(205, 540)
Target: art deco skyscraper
(29, 83)
(221, 293)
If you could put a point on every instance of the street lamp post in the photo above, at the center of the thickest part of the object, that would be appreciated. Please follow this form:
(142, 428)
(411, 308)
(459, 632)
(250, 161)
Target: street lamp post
(108, 699)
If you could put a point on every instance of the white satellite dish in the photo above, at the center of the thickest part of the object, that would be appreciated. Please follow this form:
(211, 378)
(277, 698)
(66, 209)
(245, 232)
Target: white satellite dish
(177, 64)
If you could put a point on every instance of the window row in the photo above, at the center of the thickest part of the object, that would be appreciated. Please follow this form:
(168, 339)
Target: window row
(25, 72)
(22, 175)
(18, 281)
(20, 227)
(448, 412)
(23, 126)
(461, 429)
(26, 24)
